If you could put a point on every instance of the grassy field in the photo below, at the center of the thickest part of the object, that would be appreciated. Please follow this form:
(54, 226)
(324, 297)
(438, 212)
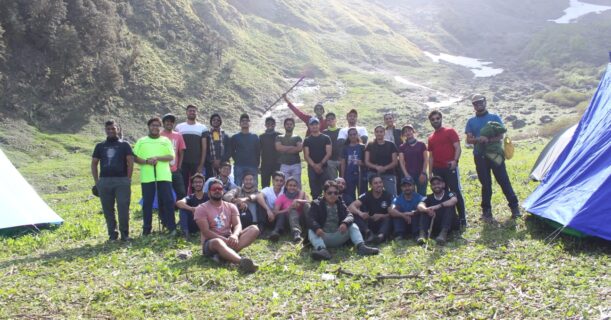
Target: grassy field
(507, 271)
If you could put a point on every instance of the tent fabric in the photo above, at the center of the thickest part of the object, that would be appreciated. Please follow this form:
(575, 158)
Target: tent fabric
(576, 191)
(550, 153)
(20, 204)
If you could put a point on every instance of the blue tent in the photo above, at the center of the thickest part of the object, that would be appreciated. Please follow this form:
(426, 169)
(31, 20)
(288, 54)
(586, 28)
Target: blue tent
(576, 192)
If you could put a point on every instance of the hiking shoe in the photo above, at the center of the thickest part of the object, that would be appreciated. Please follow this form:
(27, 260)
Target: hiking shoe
(487, 216)
(274, 236)
(442, 238)
(321, 254)
(515, 213)
(364, 250)
(421, 238)
(297, 237)
(247, 266)
(370, 238)
(378, 239)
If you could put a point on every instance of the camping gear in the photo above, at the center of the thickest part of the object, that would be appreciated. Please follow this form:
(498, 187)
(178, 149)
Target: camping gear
(493, 150)
(576, 191)
(21, 207)
(508, 148)
(550, 153)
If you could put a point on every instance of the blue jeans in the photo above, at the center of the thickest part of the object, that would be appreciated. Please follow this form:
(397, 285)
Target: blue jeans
(336, 239)
(483, 167)
(187, 224)
(166, 205)
(239, 171)
(401, 228)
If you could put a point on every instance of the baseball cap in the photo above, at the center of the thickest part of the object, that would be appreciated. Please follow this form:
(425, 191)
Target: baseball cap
(438, 178)
(168, 116)
(313, 120)
(477, 97)
(407, 180)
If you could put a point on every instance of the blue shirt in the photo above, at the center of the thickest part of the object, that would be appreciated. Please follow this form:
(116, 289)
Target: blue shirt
(475, 124)
(404, 205)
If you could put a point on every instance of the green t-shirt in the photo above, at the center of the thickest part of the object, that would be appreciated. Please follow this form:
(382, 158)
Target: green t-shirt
(332, 220)
(148, 147)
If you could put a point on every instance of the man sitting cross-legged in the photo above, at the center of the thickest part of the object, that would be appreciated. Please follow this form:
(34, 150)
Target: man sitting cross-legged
(371, 211)
(221, 230)
(405, 218)
(441, 206)
(330, 224)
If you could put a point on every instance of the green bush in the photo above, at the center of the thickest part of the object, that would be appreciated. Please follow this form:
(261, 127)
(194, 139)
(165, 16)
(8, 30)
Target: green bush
(565, 97)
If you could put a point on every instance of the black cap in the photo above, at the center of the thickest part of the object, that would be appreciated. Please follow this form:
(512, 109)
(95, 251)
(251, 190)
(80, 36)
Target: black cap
(438, 178)
(168, 116)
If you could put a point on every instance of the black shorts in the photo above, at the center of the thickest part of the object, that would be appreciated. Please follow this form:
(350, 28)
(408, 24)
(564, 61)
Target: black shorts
(206, 251)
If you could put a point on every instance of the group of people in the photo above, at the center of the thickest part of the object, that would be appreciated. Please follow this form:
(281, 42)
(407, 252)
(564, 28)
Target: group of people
(363, 190)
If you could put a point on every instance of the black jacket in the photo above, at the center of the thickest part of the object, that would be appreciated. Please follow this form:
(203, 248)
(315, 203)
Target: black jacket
(317, 216)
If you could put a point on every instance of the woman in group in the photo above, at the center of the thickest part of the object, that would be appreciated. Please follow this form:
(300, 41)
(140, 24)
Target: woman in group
(292, 204)
(413, 158)
(352, 167)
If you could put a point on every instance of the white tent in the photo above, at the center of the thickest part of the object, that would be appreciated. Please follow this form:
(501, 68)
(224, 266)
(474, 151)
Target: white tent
(20, 204)
(550, 153)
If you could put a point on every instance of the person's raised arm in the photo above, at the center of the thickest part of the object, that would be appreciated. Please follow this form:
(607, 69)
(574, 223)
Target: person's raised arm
(304, 117)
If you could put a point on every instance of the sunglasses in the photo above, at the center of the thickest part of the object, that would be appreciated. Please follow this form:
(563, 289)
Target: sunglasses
(332, 193)
(215, 189)
(479, 103)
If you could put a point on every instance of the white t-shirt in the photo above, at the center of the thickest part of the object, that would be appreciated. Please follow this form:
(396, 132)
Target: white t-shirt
(195, 129)
(343, 133)
(271, 196)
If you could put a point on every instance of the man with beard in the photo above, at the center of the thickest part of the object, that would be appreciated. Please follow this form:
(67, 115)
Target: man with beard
(153, 154)
(116, 161)
(331, 225)
(319, 112)
(444, 153)
(404, 211)
(221, 231)
(288, 147)
(441, 206)
(371, 210)
(217, 143)
(188, 205)
(344, 196)
(484, 165)
(223, 176)
(381, 159)
(269, 155)
(195, 147)
(352, 118)
(178, 143)
(245, 198)
(245, 151)
(316, 151)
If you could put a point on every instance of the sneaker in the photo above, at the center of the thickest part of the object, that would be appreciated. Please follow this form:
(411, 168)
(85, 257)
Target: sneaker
(487, 216)
(421, 237)
(321, 254)
(274, 236)
(515, 213)
(442, 238)
(297, 237)
(370, 238)
(378, 239)
(364, 250)
(247, 266)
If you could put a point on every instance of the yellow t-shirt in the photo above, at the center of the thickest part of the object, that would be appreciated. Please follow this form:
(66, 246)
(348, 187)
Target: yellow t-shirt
(148, 147)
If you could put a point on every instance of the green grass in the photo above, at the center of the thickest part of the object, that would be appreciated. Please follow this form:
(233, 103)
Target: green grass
(508, 271)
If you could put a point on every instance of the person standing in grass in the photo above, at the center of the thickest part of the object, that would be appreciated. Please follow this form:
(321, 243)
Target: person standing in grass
(289, 147)
(441, 206)
(245, 198)
(221, 231)
(316, 151)
(336, 147)
(444, 153)
(381, 160)
(245, 151)
(484, 165)
(331, 225)
(154, 154)
(352, 167)
(113, 183)
(403, 210)
(290, 205)
(178, 183)
(413, 159)
(319, 112)
(188, 205)
(195, 148)
(217, 146)
(269, 155)
(372, 212)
